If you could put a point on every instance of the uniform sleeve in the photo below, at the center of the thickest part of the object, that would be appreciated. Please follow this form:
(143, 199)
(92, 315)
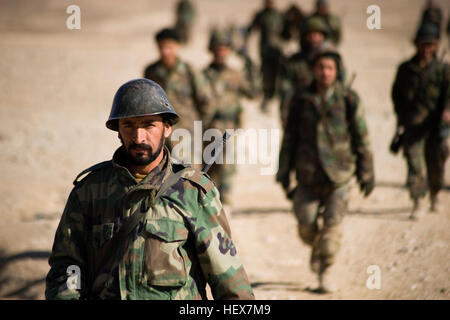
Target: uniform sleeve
(360, 139)
(286, 90)
(217, 254)
(396, 95)
(445, 120)
(68, 250)
(203, 95)
(287, 151)
(250, 85)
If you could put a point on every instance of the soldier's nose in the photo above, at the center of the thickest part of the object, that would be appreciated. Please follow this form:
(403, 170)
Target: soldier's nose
(139, 135)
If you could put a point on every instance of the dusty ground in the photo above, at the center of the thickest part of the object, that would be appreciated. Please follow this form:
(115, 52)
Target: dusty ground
(56, 88)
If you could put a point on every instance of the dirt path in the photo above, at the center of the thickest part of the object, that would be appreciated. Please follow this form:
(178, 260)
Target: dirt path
(56, 90)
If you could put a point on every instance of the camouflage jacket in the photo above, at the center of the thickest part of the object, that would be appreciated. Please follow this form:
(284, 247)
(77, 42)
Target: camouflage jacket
(184, 243)
(421, 96)
(326, 135)
(228, 86)
(186, 90)
(270, 23)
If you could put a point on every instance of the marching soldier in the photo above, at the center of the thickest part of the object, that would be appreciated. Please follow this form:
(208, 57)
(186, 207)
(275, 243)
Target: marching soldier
(228, 87)
(140, 226)
(421, 103)
(332, 22)
(185, 16)
(269, 22)
(325, 142)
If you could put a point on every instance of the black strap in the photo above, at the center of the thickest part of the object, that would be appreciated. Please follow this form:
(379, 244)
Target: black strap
(93, 168)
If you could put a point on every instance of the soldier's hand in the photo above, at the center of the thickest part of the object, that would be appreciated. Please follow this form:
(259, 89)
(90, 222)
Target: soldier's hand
(367, 186)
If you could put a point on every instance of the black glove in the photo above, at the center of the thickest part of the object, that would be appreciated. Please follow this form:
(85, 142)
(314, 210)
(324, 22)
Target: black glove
(367, 186)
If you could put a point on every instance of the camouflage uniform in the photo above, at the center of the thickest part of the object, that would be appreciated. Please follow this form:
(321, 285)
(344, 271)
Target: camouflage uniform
(183, 243)
(420, 97)
(270, 23)
(228, 86)
(326, 142)
(187, 91)
(185, 15)
(334, 26)
(295, 73)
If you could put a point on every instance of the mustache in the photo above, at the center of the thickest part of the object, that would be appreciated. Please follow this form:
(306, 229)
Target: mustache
(139, 146)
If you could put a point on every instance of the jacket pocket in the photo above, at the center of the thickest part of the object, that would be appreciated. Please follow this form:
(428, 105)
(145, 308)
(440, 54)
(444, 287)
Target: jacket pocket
(102, 233)
(164, 262)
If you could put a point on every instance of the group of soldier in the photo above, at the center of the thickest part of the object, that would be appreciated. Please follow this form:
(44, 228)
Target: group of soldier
(143, 226)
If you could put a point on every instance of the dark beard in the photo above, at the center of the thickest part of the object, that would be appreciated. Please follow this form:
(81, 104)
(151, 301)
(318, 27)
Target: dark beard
(140, 159)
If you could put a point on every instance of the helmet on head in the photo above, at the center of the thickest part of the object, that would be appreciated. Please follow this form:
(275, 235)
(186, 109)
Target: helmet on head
(140, 97)
(315, 24)
(220, 37)
(328, 50)
(427, 32)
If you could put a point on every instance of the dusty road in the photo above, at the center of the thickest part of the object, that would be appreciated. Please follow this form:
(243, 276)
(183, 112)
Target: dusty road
(56, 89)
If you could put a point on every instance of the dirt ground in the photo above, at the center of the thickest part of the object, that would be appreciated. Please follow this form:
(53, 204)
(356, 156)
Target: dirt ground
(56, 89)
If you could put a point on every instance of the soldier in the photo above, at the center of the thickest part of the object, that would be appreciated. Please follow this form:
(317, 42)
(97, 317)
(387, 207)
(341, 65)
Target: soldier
(432, 13)
(185, 88)
(185, 15)
(269, 22)
(296, 74)
(420, 94)
(333, 22)
(326, 142)
(139, 226)
(228, 87)
(293, 18)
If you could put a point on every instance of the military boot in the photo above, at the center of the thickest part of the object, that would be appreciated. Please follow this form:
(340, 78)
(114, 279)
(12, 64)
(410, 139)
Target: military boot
(434, 204)
(326, 284)
(418, 209)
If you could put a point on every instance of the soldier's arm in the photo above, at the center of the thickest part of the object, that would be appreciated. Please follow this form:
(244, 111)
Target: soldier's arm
(287, 151)
(217, 254)
(250, 85)
(360, 138)
(203, 95)
(68, 250)
(397, 96)
(445, 120)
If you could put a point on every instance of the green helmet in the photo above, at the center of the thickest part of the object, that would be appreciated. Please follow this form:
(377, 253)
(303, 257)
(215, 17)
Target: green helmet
(427, 32)
(140, 97)
(220, 37)
(327, 49)
(315, 24)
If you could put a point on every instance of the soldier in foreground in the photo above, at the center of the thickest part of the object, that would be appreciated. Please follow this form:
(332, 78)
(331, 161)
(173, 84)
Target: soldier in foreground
(185, 87)
(185, 16)
(269, 22)
(141, 227)
(326, 142)
(228, 86)
(421, 97)
(332, 22)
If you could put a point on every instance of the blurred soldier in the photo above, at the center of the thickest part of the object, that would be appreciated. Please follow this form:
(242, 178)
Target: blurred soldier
(421, 102)
(269, 22)
(228, 87)
(333, 22)
(139, 226)
(186, 89)
(296, 74)
(185, 15)
(325, 142)
(432, 13)
(293, 18)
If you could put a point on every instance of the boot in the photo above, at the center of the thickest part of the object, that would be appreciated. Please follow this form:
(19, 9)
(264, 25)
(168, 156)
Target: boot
(434, 204)
(326, 284)
(418, 209)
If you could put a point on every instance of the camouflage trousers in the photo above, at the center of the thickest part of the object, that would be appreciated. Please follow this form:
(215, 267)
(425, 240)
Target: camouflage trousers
(431, 153)
(319, 211)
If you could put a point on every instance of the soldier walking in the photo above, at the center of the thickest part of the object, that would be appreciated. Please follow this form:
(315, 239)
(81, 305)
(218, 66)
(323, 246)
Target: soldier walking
(332, 22)
(140, 226)
(185, 88)
(325, 142)
(421, 98)
(228, 87)
(185, 16)
(269, 22)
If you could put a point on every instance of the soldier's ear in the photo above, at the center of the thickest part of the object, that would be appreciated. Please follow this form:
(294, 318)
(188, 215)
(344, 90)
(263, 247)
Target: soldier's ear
(167, 129)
